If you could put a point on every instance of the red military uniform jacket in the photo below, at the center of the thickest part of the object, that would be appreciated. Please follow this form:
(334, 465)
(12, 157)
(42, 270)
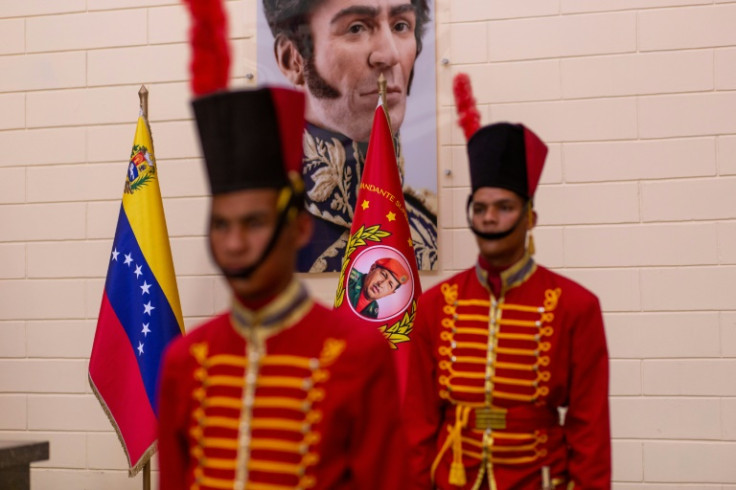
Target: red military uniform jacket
(487, 375)
(290, 396)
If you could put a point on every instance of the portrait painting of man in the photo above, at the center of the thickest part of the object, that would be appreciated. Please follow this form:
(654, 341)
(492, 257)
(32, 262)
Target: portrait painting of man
(335, 50)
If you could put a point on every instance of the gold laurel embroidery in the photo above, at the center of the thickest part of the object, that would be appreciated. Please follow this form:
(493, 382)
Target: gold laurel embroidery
(399, 331)
(338, 247)
(332, 177)
(551, 296)
(199, 351)
(331, 350)
(450, 293)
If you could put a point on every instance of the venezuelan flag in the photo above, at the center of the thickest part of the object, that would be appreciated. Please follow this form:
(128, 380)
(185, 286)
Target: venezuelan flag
(140, 312)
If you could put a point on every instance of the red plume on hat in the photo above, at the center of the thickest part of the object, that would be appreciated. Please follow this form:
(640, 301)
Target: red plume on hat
(468, 115)
(210, 65)
(503, 154)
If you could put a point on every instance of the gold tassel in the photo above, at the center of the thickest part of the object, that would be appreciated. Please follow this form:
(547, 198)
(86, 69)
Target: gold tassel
(457, 474)
(457, 469)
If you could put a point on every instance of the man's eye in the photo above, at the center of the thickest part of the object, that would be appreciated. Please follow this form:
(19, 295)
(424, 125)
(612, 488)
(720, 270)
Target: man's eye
(218, 225)
(479, 209)
(255, 223)
(403, 26)
(356, 28)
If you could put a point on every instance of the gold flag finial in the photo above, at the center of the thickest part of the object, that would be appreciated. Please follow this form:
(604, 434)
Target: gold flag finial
(143, 96)
(382, 89)
(382, 99)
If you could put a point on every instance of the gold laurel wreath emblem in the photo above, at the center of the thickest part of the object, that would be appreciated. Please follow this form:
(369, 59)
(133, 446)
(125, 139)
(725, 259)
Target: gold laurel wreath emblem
(399, 331)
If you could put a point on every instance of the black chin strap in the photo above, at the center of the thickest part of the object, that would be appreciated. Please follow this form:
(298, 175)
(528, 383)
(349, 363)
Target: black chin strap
(283, 218)
(493, 236)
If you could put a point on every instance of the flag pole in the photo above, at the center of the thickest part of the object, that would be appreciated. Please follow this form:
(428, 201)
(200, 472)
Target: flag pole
(143, 97)
(147, 475)
(382, 99)
(382, 88)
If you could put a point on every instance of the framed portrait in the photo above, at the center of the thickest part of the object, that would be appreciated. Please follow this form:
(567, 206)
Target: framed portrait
(334, 50)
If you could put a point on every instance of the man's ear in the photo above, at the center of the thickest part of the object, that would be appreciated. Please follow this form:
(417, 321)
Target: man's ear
(533, 220)
(290, 61)
(304, 228)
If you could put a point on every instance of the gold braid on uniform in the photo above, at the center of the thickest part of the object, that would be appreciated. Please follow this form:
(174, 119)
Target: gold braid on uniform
(304, 384)
(498, 336)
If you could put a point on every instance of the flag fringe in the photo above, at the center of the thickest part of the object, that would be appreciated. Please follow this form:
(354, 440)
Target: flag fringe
(133, 469)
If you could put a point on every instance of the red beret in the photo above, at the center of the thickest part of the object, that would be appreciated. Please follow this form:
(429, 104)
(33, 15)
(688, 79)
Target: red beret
(394, 267)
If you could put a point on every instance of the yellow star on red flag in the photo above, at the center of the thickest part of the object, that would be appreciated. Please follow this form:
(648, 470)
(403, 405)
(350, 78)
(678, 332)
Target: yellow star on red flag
(391, 216)
(365, 205)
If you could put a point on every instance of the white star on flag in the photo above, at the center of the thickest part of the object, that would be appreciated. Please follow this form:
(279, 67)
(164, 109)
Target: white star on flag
(145, 330)
(140, 348)
(146, 287)
(115, 254)
(138, 272)
(147, 308)
(128, 259)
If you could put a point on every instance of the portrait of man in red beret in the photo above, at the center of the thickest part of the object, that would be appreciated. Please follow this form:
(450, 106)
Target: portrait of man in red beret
(384, 277)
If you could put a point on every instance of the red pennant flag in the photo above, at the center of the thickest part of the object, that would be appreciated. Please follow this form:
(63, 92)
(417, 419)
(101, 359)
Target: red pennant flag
(379, 282)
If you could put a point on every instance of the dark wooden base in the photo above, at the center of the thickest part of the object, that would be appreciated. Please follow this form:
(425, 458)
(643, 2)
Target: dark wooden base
(15, 460)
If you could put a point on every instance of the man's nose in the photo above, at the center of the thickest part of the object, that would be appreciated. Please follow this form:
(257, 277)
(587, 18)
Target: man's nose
(490, 215)
(384, 52)
(235, 240)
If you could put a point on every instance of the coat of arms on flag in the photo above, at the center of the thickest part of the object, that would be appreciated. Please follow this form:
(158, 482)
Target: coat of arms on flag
(379, 281)
(140, 312)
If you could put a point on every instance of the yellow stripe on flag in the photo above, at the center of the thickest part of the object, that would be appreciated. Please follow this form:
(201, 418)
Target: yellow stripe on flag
(145, 212)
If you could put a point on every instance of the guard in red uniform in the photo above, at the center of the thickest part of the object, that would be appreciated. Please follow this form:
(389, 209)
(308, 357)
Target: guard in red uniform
(279, 392)
(508, 378)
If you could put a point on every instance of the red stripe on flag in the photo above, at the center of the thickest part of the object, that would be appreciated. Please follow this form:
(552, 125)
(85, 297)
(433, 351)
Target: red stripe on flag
(114, 372)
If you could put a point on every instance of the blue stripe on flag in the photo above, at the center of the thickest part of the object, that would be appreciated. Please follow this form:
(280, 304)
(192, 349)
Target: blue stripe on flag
(140, 305)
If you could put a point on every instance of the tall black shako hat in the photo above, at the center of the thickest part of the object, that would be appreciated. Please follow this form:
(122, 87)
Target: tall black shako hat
(505, 155)
(251, 138)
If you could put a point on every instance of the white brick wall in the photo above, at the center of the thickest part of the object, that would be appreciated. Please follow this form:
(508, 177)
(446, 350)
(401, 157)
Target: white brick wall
(635, 98)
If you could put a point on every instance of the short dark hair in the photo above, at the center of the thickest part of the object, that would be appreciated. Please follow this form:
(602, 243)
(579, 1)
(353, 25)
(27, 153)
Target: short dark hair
(289, 18)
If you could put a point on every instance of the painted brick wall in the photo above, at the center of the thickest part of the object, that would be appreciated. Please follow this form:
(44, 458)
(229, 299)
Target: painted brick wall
(636, 98)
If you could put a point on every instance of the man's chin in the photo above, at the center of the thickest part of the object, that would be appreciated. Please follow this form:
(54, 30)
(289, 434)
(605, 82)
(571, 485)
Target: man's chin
(370, 297)
(355, 132)
(397, 114)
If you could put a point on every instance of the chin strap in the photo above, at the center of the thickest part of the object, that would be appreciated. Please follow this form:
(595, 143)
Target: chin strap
(503, 234)
(287, 207)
